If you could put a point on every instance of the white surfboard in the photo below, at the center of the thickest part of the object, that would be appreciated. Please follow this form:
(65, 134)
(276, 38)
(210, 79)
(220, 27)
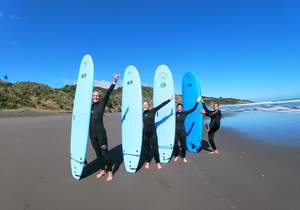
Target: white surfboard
(81, 116)
(165, 117)
(132, 119)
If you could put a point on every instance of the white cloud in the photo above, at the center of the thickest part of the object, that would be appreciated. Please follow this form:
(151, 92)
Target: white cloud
(69, 82)
(97, 83)
(104, 84)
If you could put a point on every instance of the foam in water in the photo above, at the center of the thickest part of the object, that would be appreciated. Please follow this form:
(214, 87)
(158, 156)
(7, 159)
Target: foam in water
(268, 106)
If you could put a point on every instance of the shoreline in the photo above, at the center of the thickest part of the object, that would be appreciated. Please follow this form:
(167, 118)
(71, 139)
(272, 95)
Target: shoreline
(31, 113)
(260, 140)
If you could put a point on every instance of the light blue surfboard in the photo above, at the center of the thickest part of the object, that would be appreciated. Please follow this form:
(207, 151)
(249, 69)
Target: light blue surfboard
(193, 122)
(163, 89)
(81, 116)
(132, 119)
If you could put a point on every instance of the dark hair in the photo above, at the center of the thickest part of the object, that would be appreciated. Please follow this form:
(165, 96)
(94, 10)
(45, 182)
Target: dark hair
(217, 104)
(179, 104)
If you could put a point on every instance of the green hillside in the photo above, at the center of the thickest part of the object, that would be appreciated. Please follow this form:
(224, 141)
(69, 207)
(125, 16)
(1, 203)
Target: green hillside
(35, 96)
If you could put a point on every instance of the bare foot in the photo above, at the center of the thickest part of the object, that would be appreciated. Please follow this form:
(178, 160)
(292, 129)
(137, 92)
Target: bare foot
(159, 166)
(176, 158)
(109, 177)
(185, 160)
(147, 166)
(214, 152)
(100, 174)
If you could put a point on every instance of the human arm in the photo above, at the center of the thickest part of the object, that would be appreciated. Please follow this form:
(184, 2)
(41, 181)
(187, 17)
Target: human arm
(155, 109)
(110, 90)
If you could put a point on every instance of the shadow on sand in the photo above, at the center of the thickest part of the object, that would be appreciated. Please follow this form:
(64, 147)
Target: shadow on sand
(205, 146)
(116, 157)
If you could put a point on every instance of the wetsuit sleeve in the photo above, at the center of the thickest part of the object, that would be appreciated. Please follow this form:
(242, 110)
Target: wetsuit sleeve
(193, 109)
(211, 113)
(161, 105)
(108, 93)
(206, 109)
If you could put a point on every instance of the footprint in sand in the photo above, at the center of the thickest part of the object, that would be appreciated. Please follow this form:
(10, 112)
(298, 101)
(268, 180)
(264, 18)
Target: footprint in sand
(163, 181)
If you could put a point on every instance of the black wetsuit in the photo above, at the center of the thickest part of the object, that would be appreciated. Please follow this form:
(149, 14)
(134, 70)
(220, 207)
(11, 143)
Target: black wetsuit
(214, 125)
(97, 131)
(180, 134)
(149, 133)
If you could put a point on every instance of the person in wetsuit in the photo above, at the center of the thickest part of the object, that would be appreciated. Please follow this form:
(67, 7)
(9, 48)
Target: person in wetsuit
(180, 134)
(97, 131)
(214, 125)
(149, 133)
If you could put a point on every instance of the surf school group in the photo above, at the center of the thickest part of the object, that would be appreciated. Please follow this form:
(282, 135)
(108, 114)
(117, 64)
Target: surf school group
(160, 130)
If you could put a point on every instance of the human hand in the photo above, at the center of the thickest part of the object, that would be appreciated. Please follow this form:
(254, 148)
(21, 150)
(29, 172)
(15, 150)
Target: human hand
(199, 99)
(116, 77)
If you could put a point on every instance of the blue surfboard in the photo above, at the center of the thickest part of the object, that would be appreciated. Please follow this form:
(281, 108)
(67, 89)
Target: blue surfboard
(81, 116)
(193, 122)
(165, 117)
(132, 119)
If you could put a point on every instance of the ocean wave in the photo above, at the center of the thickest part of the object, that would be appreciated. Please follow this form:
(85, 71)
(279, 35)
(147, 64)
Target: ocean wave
(278, 106)
(264, 102)
(277, 109)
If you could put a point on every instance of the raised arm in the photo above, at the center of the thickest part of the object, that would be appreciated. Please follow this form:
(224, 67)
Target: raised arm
(192, 109)
(206, 109)
(195, 106)
(211, 113)
(155, 109)
(108, 93)
(110, 90)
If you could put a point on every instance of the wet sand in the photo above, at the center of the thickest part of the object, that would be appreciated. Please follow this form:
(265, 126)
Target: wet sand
(247, 174)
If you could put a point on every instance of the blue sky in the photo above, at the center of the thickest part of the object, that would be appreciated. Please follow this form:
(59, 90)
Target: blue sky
(244, 49)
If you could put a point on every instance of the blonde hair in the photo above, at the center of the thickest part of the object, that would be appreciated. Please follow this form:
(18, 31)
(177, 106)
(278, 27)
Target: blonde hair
(148, 102)
(97, 91)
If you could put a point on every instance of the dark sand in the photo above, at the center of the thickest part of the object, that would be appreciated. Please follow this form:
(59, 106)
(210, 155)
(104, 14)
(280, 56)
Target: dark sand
(248, 174)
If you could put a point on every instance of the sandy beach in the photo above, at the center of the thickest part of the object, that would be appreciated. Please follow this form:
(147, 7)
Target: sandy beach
(247, 174)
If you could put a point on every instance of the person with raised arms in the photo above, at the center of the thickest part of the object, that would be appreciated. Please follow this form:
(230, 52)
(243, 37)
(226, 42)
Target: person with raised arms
(98, 134)
(149, 132)
(214, 125)
(180, 134)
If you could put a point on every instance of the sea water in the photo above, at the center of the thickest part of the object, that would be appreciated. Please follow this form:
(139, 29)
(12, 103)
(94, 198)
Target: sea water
(276, 122)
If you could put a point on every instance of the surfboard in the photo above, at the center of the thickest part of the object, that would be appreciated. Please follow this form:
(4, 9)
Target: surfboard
(132, 119)
(163, 89)
(81, 116)
(193, 122)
